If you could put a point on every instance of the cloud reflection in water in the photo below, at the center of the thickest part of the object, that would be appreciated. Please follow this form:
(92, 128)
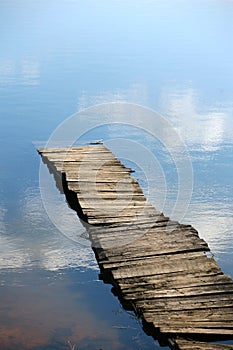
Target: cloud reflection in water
(34, 242)
(201, 128)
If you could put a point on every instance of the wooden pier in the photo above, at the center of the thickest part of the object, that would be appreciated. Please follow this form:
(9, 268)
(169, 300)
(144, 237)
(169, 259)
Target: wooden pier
(159, 268)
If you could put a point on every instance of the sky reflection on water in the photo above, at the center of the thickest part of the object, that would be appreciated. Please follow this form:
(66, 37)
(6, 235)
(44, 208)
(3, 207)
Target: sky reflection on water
(59, 57)
(28, 244)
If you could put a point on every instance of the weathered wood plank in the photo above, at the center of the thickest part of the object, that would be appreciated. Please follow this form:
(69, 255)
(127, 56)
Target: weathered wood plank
(181, 329)
(180, 281)
(210, 289)
(215, 314)
(191, 345)
(186, 303)
(155, 260)
(189, 265)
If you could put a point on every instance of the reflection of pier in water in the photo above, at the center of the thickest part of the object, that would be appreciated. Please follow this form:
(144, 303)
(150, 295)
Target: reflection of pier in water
(158, 267)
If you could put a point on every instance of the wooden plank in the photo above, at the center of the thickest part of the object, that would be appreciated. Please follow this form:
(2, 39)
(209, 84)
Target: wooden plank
(216, 314)
(156, 260)
(139, 250)
(189, 265)
(167, 282)
(184, 344)
(186, 303)
(86, 148)
(172, 291)
(181, 329)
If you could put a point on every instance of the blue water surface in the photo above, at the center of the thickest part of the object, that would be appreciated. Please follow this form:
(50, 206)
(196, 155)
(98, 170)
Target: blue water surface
(56, 59)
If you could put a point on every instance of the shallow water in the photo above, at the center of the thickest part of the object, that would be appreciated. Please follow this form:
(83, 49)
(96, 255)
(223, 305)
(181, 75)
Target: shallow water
(59, 57)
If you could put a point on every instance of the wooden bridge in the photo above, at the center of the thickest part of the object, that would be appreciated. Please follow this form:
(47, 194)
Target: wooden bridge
(159, 268)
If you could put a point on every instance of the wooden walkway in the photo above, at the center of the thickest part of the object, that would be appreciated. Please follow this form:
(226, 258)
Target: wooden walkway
(158, 267)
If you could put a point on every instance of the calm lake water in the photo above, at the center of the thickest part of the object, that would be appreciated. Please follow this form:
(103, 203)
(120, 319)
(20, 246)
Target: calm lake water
(59, 57)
